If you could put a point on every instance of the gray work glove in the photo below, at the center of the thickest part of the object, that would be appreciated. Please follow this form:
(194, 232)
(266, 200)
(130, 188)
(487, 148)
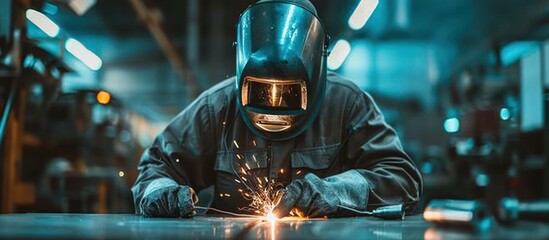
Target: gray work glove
(169, 201)
(312, 196)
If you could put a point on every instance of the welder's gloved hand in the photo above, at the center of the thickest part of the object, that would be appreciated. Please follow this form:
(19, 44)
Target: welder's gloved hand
(312, 196)
(169, 201)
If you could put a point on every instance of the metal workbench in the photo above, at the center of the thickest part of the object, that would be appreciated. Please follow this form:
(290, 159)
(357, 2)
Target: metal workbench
(127, 226)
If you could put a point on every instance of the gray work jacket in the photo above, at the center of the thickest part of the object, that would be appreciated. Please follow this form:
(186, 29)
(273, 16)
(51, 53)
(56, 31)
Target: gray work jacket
(208, 141)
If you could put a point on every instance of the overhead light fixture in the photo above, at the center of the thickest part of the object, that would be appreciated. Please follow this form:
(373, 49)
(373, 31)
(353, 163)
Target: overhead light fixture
(362, 13)
(79, 7)
(339, 53)
(83, 54)
(43, 22)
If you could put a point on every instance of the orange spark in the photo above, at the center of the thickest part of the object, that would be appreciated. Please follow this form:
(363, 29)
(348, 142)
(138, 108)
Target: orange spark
(263, 195)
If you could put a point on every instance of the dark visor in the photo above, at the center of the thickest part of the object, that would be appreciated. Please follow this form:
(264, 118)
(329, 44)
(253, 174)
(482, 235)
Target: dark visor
(279, 94)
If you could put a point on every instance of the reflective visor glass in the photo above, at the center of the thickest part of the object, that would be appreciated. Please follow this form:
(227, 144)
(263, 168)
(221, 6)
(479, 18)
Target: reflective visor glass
(273, 23)
(279, 94)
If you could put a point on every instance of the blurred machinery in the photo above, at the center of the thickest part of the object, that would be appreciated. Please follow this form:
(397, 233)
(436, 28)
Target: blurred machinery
(75, 152)
(498, 134)
(60, 152)
(83, 152)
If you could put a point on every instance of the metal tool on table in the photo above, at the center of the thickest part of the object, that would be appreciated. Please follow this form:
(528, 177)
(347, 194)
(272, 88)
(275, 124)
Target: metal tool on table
(469, 214)
(511, 210)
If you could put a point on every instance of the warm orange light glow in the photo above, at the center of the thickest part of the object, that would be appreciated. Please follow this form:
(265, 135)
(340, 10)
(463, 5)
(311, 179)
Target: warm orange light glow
(103, 97)
(271, 217)
(431, 233)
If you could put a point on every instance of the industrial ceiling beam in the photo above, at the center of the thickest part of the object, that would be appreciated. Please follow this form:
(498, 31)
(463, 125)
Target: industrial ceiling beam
(152, 18)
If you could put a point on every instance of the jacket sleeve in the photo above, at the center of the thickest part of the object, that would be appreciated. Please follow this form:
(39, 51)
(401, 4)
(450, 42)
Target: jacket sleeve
(375, 152)
(182, 154)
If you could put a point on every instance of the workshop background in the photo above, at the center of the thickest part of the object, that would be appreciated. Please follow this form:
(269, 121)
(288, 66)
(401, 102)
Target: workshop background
(85, 85)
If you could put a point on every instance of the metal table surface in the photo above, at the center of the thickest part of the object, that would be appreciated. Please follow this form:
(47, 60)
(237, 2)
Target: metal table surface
(127, 226)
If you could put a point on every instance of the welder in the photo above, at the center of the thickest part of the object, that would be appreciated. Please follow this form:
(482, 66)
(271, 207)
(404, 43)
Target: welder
(318, 135)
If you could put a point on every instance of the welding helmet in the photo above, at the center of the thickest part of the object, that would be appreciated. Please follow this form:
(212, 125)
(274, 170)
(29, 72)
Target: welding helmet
(281, 52)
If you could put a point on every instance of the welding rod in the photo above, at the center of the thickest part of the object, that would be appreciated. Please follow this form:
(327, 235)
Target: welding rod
(390, 212)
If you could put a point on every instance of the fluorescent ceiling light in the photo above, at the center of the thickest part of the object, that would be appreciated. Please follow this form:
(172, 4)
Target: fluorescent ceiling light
(81, 6)
(83, 54)
(361, 14)
(341, 50)
(43, 22)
